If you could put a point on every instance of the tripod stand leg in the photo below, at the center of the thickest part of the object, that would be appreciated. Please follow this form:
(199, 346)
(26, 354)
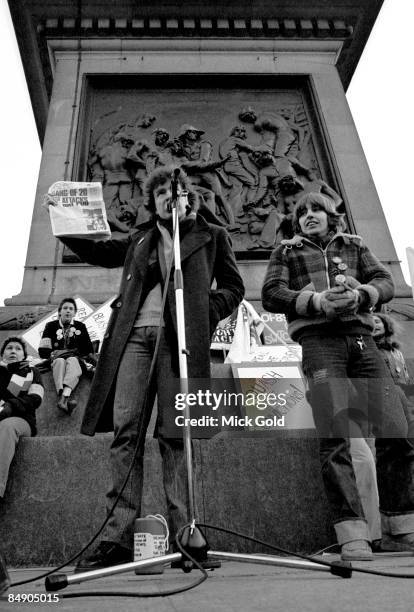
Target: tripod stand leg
(56, 582)
(340, 568)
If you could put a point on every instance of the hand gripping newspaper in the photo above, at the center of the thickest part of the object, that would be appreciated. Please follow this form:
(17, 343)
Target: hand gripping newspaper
(78, 210)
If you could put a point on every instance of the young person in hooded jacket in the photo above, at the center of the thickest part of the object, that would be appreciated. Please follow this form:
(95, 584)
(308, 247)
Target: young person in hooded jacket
(327, 283)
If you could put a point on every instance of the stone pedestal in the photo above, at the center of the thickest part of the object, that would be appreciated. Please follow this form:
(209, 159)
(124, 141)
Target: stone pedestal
(260, 53)
(47, 278)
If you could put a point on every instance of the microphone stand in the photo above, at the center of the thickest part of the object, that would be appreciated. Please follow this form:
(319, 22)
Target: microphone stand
(182, 347)
(192, 540)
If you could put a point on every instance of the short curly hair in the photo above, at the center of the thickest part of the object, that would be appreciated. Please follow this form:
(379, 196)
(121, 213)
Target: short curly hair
(162, 175)
(14, 339)
(335, 219)
(64, 301)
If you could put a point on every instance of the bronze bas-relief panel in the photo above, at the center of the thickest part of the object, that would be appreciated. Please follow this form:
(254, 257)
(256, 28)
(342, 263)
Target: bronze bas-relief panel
(250, 149)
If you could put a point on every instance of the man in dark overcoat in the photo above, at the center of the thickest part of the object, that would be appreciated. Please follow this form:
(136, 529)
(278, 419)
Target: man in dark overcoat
(123, 367)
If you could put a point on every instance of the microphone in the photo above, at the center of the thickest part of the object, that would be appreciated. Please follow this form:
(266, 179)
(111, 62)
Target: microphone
(174, 188)
(174, 183)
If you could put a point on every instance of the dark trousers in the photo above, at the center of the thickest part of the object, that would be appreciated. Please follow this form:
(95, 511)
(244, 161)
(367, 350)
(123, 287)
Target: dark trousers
(131, 418)
(348, 381)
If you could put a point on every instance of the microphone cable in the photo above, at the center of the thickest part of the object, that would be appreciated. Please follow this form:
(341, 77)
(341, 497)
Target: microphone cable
(152, 594)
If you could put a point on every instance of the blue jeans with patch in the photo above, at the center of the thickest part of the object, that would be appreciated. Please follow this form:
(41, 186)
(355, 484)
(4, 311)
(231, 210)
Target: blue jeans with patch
(348, 381)
(131, 419)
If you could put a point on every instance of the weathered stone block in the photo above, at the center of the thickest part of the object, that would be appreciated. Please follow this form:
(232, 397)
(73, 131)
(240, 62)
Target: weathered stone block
(269, 489)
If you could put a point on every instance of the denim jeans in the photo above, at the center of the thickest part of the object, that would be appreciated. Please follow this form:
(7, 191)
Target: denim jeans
(331, 364)
(131, 419)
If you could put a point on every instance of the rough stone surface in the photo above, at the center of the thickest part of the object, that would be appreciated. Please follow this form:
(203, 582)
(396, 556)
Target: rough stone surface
(269, 489)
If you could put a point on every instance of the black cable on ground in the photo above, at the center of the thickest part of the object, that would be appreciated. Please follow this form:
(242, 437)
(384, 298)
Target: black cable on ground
(205, 575)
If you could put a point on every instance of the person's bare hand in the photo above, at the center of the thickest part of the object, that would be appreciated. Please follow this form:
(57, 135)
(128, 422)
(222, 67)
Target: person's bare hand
(49, 200)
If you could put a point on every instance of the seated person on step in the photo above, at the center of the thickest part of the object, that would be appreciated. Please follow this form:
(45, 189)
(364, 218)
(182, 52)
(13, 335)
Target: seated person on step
(21, 393)
(66, 342)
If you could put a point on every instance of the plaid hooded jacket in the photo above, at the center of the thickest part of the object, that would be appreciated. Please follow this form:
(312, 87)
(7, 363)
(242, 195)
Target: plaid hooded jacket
(299, 267)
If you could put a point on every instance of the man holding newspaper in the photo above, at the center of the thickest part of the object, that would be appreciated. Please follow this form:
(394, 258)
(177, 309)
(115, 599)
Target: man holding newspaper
(118, 390)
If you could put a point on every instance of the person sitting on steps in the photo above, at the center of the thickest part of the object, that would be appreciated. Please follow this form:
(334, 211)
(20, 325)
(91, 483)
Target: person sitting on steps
(67, 343)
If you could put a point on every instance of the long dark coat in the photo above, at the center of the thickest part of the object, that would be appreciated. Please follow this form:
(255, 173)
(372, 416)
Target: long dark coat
(206, 255)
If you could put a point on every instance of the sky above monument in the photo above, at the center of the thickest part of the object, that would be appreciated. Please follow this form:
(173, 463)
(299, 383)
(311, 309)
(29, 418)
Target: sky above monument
(380, 97)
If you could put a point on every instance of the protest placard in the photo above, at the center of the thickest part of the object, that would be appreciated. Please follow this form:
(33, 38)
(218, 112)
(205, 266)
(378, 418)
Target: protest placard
(277, 390)
(97, 321)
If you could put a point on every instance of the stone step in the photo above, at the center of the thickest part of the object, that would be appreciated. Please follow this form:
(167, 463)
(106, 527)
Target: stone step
(53, 422)
(266, 487)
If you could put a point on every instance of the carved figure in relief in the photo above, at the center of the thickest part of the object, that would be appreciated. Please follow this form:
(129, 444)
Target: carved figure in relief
(108, 165)
(113, 163)
(238, 166)
(254, 184)
(277, 223)
(195, 158)
(270, 169)
(274, 223)
(164, 147)
(291, 189)
(278, 130)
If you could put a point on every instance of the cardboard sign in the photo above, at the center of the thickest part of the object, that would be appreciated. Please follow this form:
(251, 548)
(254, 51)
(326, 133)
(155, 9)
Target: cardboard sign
(224, 333)
(273, 391)
(279, 325)
(277, 353)
(97, 322)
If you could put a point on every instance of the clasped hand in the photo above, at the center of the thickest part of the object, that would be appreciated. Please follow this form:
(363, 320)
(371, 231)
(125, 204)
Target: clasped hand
(336, 301)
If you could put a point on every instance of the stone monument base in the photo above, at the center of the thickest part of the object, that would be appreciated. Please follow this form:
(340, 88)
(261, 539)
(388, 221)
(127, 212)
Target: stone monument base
(267, 488)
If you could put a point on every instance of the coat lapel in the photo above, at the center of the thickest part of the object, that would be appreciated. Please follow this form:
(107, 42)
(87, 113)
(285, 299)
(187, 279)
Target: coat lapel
(143, 246)
(195, 239)
(192, 241)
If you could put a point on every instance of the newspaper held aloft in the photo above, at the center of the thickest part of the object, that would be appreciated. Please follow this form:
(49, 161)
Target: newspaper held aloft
(79, 210)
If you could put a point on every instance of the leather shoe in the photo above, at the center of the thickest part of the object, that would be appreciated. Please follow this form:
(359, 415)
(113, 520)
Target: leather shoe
(105, 555)
(63, 404)
(72, 403)
(357, 550)
(398, 543)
